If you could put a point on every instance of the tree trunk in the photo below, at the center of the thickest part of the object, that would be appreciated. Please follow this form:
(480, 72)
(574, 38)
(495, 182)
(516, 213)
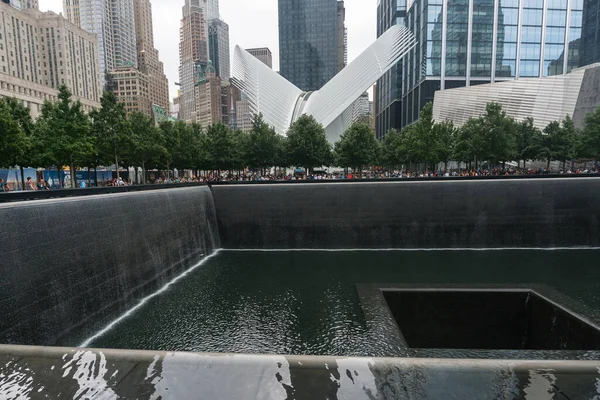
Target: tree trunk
(548, 165)
(117, 164)
(60, 181)
(23, 177)
(73, 177)
(143, 173)
(89, 176)
(96, 175)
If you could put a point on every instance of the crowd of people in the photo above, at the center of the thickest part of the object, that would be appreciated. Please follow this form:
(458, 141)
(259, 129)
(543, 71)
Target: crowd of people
(41, 184)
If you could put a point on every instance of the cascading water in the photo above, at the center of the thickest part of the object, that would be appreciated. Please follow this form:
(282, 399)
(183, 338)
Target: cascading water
(71, 265)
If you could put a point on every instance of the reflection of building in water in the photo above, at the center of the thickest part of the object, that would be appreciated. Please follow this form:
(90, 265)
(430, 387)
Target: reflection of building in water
(472, 42)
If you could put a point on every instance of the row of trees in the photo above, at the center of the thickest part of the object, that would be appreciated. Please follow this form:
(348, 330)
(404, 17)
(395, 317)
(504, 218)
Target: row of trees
(494, 138)
(65, 136)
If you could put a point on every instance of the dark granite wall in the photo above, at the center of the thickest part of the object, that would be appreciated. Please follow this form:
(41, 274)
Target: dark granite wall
(436, 214)
(68, 266)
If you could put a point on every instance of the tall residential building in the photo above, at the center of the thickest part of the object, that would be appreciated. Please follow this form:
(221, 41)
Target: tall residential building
(263, 54)
(41, 51)
(22, 4)
(113, 22)
(308, 42)
(471, 42)
(147, 55)
(193, 52)
(218, 45)
(342, 37)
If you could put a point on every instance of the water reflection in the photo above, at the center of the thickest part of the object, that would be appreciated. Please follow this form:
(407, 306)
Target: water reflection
(88, 374)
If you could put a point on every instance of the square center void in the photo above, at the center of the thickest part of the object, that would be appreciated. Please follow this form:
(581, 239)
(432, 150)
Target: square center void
(492, 319)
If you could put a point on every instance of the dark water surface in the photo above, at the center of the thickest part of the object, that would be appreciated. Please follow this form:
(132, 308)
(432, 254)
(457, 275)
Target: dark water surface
(305, 302)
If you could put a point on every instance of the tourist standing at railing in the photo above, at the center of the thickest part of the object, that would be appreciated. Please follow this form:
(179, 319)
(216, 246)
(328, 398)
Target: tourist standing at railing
(29, 184)
(41, 184)
(3, 186)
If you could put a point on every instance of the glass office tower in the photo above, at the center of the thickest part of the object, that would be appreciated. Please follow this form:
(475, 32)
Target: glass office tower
(308, 42)
(470, 42)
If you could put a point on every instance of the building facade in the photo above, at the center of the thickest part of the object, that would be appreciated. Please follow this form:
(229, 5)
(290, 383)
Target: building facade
(71, 11)
(545, 99)
(263, 54)
(113, 22)
(132, 88)
(342, 37)
(208, 92)
(148, 57)
(23, 4)
(218, 47)
(193, 51)
(472, 42)
(40, 52)
(308, 42)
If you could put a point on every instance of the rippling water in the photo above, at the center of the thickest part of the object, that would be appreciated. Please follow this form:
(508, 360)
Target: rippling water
(306, 302)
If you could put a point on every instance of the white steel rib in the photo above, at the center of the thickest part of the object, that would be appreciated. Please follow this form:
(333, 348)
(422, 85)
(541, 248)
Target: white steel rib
(281, 103)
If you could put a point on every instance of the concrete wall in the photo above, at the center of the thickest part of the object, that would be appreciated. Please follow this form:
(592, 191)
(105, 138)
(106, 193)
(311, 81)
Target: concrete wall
(69, 265)
(440, 214)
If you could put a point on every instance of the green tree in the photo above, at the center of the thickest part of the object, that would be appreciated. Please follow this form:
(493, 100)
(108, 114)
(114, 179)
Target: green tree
(147, 142)
(528, 141)
(186, 146)
(171, 142)
(261, 146)
(467, 145)
(498, 135)
(564, 145)
(357, 147)
(422, 143)
(444, 134)
(221, 147)
(62, 134)
(111, 129)
(16, 130)
(591, 135)
(551, 134)
(390, 149)
(307, 144)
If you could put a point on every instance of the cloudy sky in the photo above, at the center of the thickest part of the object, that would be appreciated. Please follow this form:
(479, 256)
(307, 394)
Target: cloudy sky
(252, 23)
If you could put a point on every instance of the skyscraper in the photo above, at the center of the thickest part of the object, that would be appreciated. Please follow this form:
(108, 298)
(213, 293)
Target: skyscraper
(113, 22)
(470, 42)
(193, 53)
(148, 60)
(218, 44)
(342, 37)
(308, 42)
(263, 54)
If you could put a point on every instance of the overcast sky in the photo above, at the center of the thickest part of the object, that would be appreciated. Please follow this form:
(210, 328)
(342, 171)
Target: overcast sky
(252, 23)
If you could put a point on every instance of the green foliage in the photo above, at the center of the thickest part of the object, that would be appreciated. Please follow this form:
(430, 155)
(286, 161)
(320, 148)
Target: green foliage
(498, 135)
(62, 133)
(147, 141)
(393, 152)
(15, 133)
(111, 129)
(357, 147)
(307, 145)
(529, 141)
(261, 145)
(222, 147)
(591, 135)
